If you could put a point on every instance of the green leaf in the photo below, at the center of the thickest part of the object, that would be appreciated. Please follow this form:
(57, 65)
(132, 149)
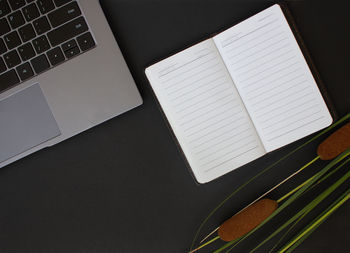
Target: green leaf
(311, 205)
(292, 244)
(293, 198)
(346, 117)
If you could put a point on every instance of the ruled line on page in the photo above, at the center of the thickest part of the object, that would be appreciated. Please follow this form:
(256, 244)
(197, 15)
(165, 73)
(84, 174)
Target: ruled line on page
(256, 45)
(169, 67)
(283, 105)
(196, 88)
(262, 57)
(271, 74)
(200, 101)
(195, 67)
(289, 116)
(229, 139)
(263, 85)
(273, 87)
(292, 130)
(230, 49)
(206, 106)
(215, 129)
(247, 34)
(213, 109)
(286, 111)
(224, 148)
(185, 64)
(261, 64)
(267, 16)
(192, 84)
(291, 123)
(209, 119)
(228, 123)
(230, 152)
(270, 67)
(184, 84)
(260, 50)
(278, 93)
(200, 94)
(195, 74)
(281, 99)
(215, 137)
(231, 158)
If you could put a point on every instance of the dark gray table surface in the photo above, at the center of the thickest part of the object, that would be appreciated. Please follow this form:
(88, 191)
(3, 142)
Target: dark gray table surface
(123, 186)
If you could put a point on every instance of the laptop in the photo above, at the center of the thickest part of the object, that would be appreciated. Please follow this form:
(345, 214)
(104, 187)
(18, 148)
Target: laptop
(61, 73)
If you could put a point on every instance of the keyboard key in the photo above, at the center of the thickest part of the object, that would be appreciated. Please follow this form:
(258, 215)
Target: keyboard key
(4, 27)
(41, 44)
(12, 59)
(40, 64)
(12, 40)
(68, 45)
(64, 14)
(2, 65)
(26, 51)
(61, 2)
(30, 12)
(3, 48)
(25, 71)
(16, 4)
(86, 41)
(4, 8)
(55, 56)
(8, 79)
(67, 31)
(45, 6)
(16, 19)
(41, 25)
(72, 52)
(26, 32)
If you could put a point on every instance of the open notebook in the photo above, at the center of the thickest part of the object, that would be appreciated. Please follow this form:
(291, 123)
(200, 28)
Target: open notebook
(239, 95)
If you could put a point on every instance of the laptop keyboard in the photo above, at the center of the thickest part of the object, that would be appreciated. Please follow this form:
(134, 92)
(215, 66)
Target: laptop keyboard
(36, 35)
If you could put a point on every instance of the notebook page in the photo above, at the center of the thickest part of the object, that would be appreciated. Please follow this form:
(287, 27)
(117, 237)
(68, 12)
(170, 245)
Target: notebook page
(273, 78)
(205, 111)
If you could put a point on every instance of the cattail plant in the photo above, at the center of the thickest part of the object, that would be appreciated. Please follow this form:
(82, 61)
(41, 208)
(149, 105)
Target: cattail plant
(336, 148)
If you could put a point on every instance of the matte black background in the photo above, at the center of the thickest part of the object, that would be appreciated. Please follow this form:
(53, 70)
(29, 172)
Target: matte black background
(123, 186)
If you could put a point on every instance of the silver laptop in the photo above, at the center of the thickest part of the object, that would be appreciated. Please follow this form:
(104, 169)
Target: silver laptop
(61, 72)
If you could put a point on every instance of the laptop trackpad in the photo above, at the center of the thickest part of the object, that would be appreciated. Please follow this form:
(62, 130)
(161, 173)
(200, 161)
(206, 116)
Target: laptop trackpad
(25, 122)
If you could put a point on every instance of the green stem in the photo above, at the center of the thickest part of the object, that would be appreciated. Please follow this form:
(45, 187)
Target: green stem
(317, 222)
(294, 196)
(287, 232)
(294, 190)
(205, 244)
(310, 206)
(297, 188)
(347, 116)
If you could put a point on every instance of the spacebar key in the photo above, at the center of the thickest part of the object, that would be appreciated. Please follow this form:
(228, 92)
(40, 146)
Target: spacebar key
(67, 31)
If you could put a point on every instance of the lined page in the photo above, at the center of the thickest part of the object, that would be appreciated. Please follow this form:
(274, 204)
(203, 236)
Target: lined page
(273, 78)
(205, 111)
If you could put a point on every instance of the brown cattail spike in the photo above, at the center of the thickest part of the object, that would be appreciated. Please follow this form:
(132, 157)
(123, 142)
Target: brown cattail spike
(245, 221)
(335, 144)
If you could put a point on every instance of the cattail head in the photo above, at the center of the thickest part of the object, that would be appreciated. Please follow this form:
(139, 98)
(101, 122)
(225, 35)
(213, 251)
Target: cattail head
(245, 221)
(335, 144)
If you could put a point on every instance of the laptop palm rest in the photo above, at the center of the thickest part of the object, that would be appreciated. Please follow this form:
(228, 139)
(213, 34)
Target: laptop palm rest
(25, 122)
